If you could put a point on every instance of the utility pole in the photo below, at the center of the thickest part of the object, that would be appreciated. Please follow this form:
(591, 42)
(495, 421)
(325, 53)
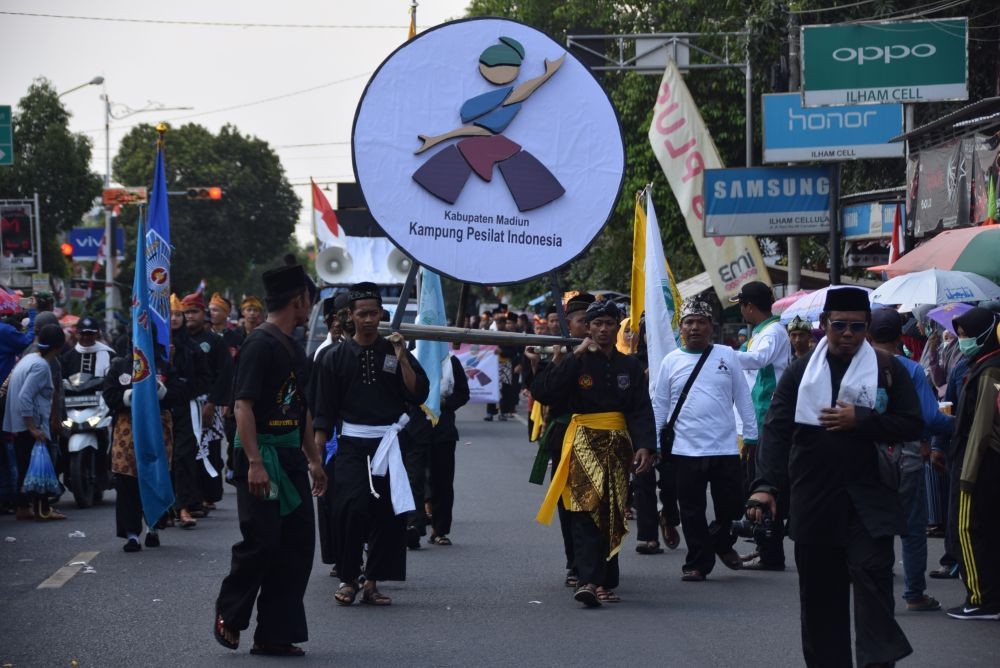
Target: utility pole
(794, 84)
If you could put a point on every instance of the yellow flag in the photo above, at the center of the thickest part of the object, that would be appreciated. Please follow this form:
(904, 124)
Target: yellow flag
(638, 262)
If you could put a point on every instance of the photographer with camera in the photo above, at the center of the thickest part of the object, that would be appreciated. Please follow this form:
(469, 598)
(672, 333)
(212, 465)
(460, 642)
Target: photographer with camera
(820, 448)
(696, 389)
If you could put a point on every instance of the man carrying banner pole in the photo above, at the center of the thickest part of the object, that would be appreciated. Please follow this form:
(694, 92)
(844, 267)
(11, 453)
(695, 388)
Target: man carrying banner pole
(610, 431)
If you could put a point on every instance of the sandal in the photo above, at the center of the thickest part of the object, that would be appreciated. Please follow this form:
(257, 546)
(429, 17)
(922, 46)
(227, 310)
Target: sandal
(375, 597)
(220, 628)
(346, 594)
(260, 649)
(440, 540)
(587, 594)
(572, 581)
(608, 596)
(649, 547)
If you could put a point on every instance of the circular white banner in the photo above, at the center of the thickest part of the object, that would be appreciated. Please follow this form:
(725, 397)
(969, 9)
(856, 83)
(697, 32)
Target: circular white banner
(487, 152)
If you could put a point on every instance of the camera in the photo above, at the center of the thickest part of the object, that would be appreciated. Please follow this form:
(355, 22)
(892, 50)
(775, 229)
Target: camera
(758, 531)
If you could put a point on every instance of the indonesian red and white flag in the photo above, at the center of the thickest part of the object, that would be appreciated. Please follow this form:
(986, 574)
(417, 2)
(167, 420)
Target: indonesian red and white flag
(328, 230)
(897, 243)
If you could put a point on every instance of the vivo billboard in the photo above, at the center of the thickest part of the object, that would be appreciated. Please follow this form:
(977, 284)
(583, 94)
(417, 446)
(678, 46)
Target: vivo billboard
(769, 201)
(86, 242)
(878, 63)
(793, 133)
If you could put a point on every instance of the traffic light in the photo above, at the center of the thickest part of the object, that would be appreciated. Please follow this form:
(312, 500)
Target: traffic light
(205, 192)
(67, 249)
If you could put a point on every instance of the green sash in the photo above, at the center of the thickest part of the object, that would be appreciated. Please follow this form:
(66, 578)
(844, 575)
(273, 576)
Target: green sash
(268, 444)
(541, 464)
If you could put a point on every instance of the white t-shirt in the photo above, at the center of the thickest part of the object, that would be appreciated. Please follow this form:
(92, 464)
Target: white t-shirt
(706, 425)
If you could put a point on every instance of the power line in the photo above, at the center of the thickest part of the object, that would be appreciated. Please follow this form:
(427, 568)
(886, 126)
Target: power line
(207, 24)
(830, 9)
(244, 105)
(325, 143)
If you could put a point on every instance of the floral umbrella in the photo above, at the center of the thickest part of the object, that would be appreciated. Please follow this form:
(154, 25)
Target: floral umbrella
(974, 249)
(779, 306)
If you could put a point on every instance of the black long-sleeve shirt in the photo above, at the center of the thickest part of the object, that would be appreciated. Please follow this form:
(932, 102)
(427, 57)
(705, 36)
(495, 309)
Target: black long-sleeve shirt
(596, 383)
(220, 366)
(363, 385)
(824, 474)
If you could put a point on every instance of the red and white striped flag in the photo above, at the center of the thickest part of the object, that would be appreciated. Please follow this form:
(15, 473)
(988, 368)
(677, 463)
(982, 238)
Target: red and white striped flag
(897, 243)
(328, 230)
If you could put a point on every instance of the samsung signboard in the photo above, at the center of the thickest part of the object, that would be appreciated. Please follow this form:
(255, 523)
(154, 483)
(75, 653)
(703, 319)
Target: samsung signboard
(793, 133)
(869, 220)
(878, 63)
(769, 201)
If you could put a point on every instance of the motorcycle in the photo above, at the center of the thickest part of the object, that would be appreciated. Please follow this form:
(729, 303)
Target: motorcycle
(88, 444)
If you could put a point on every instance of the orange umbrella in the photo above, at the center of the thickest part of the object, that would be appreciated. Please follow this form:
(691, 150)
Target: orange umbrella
(974, 249)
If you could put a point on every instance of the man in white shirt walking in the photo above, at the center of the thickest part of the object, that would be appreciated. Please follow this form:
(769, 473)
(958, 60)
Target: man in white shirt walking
(764, 357)
(703, 447)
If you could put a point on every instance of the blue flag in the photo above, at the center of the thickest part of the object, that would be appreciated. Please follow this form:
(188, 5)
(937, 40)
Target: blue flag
(158, 254)
(431, 354)
(155, 489)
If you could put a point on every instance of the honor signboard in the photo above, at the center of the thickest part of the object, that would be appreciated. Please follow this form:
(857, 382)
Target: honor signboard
(793, 133)
(879, 63)
(487, 152)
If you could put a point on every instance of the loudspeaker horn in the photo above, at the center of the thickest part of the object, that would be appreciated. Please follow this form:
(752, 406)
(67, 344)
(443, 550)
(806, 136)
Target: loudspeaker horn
(399, 264)
(334, 264)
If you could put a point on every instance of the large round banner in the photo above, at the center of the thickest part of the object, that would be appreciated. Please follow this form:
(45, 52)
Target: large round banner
(487, 152)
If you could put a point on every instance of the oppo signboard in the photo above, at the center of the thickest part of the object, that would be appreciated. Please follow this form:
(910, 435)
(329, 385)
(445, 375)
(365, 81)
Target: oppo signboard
(880, 63)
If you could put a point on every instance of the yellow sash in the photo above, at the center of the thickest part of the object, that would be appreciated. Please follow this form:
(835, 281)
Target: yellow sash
(536, 421)
(557, 488)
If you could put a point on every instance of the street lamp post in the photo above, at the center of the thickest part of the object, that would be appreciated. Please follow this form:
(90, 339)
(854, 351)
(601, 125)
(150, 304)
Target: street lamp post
(109, 252)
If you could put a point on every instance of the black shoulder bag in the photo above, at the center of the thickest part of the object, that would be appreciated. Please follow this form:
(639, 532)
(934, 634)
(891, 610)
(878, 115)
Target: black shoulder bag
(667, 432)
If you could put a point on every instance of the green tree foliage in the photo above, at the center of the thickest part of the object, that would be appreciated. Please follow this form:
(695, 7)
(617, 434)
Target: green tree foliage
(53, 162)
(224, 242)
(720, 96)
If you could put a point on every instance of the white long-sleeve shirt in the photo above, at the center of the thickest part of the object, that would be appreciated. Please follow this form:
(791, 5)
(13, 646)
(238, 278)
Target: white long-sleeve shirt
(705, 425)
(768, 354)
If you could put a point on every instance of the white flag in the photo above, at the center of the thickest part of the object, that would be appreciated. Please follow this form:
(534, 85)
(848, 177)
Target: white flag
(660, 297)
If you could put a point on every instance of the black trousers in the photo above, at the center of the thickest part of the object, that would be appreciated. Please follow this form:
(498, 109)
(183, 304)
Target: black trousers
(187, 492)
(361, 518)
(979, 534)
(590, 549)
(723, 476)
(324, 515)
(415, 457)
(565, 525)
(271, 565)
(826, 576)
(441, 482)
(510, 395)
(663, 478)
(128, 506)
(210, 488)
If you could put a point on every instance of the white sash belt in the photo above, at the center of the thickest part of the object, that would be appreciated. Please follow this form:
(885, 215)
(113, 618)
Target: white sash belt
(387, 458)
(199, 433)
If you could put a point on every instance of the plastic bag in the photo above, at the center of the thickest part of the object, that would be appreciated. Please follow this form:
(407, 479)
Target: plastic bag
(41, 476)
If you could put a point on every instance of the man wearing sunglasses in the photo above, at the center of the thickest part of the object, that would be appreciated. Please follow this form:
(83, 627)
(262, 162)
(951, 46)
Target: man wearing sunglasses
(819, 448)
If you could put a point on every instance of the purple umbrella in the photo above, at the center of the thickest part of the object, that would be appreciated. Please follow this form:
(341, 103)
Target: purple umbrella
(944, 314)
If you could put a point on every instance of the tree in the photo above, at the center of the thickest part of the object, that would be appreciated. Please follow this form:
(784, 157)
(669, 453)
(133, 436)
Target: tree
(55, 163)
(219, 241)
(719, 95)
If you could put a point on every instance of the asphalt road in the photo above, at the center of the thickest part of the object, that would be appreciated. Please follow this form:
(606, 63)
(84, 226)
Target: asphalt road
(494, 598)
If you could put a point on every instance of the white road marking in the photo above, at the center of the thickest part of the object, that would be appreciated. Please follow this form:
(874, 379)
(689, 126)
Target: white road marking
(66, 573)
(520, 419)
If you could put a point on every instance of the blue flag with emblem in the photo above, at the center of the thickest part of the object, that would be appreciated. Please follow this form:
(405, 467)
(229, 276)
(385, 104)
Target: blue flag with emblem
(158, 254)
(431, 354)
(155, 488)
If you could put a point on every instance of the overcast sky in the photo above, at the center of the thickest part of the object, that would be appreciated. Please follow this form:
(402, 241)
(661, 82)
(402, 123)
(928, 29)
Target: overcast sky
(214, 68)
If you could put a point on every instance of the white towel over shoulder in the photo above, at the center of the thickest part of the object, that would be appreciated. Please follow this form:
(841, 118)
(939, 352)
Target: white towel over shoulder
(859, 386)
